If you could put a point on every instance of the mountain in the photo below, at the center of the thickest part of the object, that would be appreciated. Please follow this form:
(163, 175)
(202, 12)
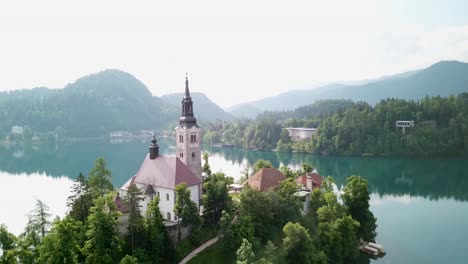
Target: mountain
(204, 108)
(91, 106)
(444, 78)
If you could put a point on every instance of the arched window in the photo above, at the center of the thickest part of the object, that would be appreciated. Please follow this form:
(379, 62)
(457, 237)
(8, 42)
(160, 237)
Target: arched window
(168, 217)
(167, 196)
(193, 154)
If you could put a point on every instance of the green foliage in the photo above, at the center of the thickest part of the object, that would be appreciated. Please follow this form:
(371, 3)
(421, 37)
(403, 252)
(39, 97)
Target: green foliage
(7, 246)
(206, 166)
(211, 137)
(155, 231)
(298, 245)
(261, 164)
(135, 227)
(92, 106)
(99, 179)
(356, 199)
(80, 201)
(41, 217)
(129, 260)
(245, 254)
(61, 244)
(103, 242)
(258, 207)
(286, 205)
(217, 198)
(28, 243)
(186, 209)
(363, 129)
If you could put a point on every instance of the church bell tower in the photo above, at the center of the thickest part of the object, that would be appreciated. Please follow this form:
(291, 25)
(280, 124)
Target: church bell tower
(188, 135)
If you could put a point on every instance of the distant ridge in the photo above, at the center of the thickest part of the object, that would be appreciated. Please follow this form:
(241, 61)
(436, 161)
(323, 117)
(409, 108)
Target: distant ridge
(91, 106)
(444, 78)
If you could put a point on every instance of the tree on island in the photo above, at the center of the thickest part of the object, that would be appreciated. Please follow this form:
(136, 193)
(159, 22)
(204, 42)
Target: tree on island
(7, 246)
(40, 217)
(206, 166)
(129, 260)
(100, 179)
(155, 232)
(61, 244)
(299, 247)
(186, 209)
(261, 164)
(356, 200)
(216, 197)
(80, 201)
(135, 220)
(103, 242)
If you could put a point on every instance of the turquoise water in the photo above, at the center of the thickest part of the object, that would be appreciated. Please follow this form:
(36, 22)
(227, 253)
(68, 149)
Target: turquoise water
(421, 204)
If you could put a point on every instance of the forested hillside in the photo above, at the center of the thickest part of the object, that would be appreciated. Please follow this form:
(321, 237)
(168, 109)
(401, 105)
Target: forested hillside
(359, 128)
(91, 106)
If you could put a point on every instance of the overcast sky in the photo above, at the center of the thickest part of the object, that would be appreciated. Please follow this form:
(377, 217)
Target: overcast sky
(233, 51)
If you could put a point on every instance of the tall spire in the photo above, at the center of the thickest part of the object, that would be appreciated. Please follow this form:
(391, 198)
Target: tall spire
(187, 92)
(187, 119)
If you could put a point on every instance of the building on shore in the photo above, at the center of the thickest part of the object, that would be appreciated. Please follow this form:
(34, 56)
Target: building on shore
(301, 133)
(160, 174)
(403, 124)
(264, 179)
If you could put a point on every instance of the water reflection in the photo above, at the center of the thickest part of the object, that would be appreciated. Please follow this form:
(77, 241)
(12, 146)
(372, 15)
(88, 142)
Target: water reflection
(19, 191)
(431, 178)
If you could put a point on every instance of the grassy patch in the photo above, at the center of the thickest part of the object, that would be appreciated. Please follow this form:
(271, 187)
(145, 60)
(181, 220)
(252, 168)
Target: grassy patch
(213, 254)
(187, 245)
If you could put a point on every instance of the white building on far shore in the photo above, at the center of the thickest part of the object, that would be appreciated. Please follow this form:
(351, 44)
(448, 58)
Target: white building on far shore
(301, 133)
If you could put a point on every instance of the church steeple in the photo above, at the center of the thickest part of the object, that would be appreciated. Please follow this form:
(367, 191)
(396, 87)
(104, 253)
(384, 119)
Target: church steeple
(187, 119)
(154, 148)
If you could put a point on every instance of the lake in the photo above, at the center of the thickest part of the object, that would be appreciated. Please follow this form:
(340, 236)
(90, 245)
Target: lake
(420, 204)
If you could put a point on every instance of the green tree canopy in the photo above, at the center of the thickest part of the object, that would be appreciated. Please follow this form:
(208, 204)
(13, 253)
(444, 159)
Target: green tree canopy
(61, 245)
(103, 242)
(356, 200)
(100, 179)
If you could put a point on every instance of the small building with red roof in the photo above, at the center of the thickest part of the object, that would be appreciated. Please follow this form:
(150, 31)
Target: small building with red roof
(310, 181)
(265, 179)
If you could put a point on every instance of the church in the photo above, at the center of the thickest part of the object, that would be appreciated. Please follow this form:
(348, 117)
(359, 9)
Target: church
(160, 174)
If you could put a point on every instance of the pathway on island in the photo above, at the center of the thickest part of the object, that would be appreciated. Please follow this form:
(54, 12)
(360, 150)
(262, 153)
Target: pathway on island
(198, 250)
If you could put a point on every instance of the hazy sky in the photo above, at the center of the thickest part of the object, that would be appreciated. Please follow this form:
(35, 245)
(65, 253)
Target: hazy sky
(234, 51)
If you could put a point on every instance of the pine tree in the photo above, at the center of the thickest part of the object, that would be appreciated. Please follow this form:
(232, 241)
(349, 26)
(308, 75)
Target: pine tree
(99, 179)
(135, 220)
(245, 254)
(103, 242)
(40, 217)
(61, 244)
(80, 201)
(154, 227)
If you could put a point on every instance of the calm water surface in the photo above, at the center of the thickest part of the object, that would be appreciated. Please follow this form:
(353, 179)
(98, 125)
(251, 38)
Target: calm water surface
(420, 204)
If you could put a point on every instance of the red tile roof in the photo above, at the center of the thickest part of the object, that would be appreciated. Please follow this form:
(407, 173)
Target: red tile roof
(120, 204)
(265, 178)
(314, 177)
(163, 171)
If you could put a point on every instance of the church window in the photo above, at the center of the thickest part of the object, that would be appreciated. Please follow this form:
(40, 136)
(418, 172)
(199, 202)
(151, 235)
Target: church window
(181, 155)
(167, 196)
(181, 139)
(193, 138)
(193, 154)
(168, 216)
